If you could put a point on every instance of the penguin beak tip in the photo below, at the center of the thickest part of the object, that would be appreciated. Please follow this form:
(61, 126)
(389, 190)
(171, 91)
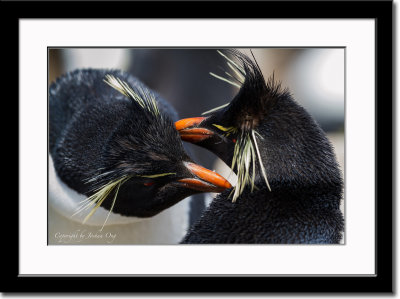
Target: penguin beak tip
(190, 131)
(204, 179)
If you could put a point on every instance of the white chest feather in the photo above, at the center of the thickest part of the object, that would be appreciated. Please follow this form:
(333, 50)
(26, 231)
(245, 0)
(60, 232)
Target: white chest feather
(168, 227)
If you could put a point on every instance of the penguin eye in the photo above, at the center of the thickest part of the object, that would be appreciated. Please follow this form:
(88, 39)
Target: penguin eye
(148, 184)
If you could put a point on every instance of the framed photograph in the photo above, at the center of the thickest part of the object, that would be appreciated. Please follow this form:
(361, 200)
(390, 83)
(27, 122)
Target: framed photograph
(201, 147)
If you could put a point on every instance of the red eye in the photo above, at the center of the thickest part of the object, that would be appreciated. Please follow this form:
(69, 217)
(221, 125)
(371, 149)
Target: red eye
(234, 140)
(148, 184)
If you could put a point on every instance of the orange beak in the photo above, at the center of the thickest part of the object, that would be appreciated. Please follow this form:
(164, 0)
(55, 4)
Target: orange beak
(189, 131)
(205, 180)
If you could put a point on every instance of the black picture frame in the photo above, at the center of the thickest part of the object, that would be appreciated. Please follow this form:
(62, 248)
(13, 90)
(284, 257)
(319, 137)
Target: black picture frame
(381, 11)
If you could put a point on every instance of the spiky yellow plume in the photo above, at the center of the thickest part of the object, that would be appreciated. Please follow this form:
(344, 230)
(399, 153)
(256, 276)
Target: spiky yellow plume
(95, 200)
(246, 151)
(145, 99)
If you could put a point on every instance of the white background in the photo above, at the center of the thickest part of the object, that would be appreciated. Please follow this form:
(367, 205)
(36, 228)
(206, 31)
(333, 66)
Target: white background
(270, 297)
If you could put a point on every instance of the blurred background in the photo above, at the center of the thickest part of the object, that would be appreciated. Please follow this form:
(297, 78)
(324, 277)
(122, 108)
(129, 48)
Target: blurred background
(315, 77)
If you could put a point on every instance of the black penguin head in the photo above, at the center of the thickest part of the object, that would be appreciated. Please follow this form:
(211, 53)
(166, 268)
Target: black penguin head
(263, 133)
(146, 169)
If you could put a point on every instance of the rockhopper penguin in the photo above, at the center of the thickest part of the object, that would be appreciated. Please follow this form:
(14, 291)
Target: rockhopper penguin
(115, 156)
(289, 185)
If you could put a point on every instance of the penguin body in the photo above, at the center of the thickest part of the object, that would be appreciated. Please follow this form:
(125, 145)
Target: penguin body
(115, 156)
(275, 218)
(289, 183)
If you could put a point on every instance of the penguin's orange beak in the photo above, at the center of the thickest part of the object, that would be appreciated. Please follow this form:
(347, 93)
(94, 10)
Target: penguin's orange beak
(190, 131)
(204, 180)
